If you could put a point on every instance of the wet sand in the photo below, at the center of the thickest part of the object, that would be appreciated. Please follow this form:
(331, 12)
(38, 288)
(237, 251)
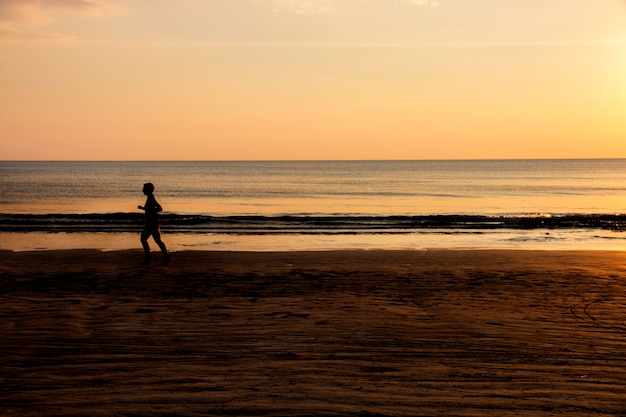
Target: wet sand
(337, 333)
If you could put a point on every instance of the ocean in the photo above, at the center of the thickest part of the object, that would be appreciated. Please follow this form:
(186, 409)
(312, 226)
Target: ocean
(313, 205)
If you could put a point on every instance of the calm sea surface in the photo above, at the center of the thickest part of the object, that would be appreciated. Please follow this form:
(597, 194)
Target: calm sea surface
(317, 204)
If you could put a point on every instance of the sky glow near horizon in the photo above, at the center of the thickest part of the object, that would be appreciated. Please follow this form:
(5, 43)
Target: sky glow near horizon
(316, 79)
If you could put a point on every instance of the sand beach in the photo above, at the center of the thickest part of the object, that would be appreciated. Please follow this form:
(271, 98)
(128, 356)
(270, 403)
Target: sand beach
(327, 333)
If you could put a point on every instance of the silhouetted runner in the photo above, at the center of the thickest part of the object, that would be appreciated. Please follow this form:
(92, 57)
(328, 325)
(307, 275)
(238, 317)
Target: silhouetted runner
(152, 227)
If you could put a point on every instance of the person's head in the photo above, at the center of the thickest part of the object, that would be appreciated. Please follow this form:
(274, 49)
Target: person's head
(148, 188)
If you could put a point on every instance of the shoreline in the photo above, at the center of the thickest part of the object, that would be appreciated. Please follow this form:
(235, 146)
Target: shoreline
(300, 333)
(536, 239)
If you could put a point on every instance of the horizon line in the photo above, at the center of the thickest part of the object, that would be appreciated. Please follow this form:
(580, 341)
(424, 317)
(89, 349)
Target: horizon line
(316, 160)
(330, 44)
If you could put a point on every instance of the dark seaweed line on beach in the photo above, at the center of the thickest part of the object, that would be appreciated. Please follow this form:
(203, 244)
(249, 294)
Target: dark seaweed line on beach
(300, 224)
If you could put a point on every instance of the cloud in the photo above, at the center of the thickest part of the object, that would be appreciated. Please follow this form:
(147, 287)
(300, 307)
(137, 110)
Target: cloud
(20, 20)
(328, 6)
(10, 34)
(302, 6)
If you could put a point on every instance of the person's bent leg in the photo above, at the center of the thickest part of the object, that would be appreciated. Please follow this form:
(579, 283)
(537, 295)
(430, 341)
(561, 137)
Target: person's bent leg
(157, 238)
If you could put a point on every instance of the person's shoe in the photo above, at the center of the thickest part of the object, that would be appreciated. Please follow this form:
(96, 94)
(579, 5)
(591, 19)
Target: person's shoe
(146, 261)
(167, 260)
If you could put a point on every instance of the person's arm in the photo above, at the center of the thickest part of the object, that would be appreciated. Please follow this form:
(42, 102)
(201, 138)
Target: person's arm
(147, 205)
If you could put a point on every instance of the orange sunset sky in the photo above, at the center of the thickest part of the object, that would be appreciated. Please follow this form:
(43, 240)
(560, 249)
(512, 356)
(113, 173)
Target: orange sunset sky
(316, 79)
